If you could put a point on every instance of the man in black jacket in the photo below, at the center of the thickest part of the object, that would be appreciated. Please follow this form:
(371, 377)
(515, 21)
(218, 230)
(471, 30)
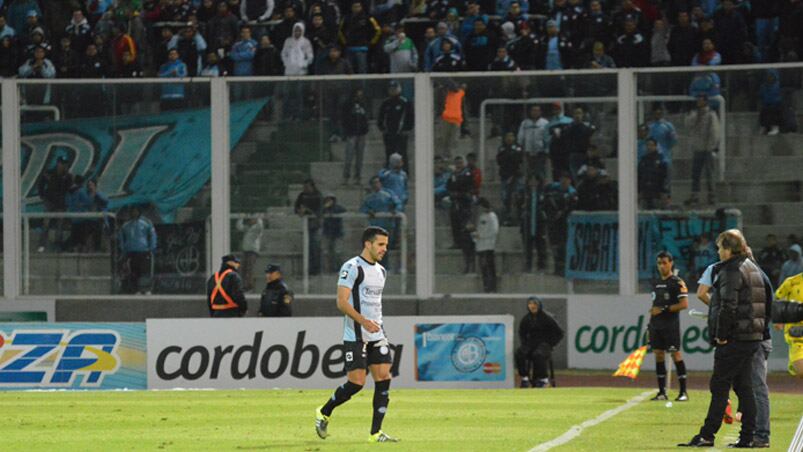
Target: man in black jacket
(395, 120)
(539, 334)
(460, 186)
(736, 322)
(277, 297)
(224, 292)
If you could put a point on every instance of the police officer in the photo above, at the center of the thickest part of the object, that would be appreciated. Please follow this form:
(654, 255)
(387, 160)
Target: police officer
(224, 290)
(669, 297)
(277, 297)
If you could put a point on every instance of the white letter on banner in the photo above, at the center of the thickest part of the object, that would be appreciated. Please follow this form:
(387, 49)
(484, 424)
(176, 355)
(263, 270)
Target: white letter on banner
(40, 146)
(121, 164)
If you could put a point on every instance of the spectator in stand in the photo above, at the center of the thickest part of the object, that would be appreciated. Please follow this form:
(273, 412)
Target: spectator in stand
(643, 134)
(173, 95)
(436, 48)
(766, 14)
(297, 53)
(395, 121)
(212, 67)
(653, 178)
(52, 188)
(659, 44)
(532, 136)
(332, 230)
(771, 259)
(555, 141)
(629, 12)
(452, 21)
(437, 9)
(18, 14)
(503, 6)
(523, 48)
(137, 241)
(452, 115)
(476, 174)
(533, 223)
(502, 62)
(460, 187)
(354, 117)
(66, 60)
(771, 110)
(37, 39)
(309, 204)
(708, 56)
(5, 29)
(86, 232)
(509, 159)
(243, 53)
(358, 32)
(577, 139)
(284, 29)
(394, 180)
(556, 51)
(683, 39)
(256, 10)
(702, 126)
(442, 176)
(223, 28)
(381, 201)
(472, 14)
(559, 200)
(92, 65)
(191, 46)
(448, 60)
(8, 57)
(32, 23)
(595, 190)
(121, 42)
(631, 48)
(79, 31)
(598, 26)
(479, 47)
(600, 59)
(663, 132)
(402, 52)
(164, 45)
(267, 60)
(731, 32)
(484, 236)
(321, 38)
(706, 84)
(794, 265)
(252, 229)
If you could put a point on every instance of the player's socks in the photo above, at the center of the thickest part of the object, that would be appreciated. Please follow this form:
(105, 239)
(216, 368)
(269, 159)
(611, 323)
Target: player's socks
(660, 372)
(681, 367)
(381, 399)
(342, 394)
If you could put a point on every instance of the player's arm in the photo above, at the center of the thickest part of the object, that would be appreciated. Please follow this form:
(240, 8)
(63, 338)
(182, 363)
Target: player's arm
(682, 298)
(343, 295)
(702, 293)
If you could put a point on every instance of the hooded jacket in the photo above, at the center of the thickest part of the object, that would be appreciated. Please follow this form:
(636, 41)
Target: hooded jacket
(539, 328)
(738, 306)
(770, 90)
(297, 53)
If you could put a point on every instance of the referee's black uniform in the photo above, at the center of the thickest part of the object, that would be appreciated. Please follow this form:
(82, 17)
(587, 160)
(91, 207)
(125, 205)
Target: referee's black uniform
(664, 331)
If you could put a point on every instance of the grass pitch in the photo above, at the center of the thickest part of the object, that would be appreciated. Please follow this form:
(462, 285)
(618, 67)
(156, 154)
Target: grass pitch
(425, 420)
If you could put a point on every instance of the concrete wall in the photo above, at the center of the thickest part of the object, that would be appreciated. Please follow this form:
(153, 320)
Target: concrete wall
(138, 310)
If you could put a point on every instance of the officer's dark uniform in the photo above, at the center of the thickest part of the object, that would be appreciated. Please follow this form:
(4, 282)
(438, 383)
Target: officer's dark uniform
(665, 327)
(224, 293)
(276, 297)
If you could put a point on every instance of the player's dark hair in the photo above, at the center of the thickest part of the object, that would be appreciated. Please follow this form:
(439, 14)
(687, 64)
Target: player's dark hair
(370, 233)
(665, 255)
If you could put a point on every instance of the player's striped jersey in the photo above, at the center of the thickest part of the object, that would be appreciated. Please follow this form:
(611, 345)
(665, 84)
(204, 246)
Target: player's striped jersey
(366, 281)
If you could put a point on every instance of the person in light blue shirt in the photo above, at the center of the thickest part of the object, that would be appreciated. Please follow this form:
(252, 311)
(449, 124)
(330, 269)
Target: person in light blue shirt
(380, 200)
(243, 53)
(173, 93)
(137, 240)
(663, 132)
(394, 179)
(5, 29)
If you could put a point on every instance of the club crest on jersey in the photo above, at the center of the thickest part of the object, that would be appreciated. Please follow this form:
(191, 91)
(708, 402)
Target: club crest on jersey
(56, 357)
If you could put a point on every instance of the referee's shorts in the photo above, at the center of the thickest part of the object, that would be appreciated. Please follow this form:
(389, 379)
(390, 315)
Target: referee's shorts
(665, 338)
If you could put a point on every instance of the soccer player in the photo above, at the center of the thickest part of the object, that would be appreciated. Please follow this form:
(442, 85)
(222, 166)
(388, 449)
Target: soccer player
(359, 297)
(792, 290)
(669, 297)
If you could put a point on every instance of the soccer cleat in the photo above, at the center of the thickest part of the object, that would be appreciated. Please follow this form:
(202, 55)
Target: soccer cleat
(321, 423)
(698, 441)
(660, 396)
(741, 444)
(381, 437)
(728, 416)
(682, 397)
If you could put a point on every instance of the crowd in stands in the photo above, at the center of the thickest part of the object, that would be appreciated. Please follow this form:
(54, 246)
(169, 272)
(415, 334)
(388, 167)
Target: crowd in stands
(132, 38)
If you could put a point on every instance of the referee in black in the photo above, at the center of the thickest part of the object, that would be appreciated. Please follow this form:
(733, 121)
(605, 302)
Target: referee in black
(669, 297)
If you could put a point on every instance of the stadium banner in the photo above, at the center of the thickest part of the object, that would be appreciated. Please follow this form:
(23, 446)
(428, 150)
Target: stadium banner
(592, 247)
(603, 329)
(163, 159)
(307, 352)
(72, 356)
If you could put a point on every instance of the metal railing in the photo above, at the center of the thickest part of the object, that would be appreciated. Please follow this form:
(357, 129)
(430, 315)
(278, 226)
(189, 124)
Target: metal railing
(641, 100)
(26, 234)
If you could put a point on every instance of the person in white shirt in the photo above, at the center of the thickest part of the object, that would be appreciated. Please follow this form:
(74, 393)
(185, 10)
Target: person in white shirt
(532, 137)
(252, 240)
(484, 237)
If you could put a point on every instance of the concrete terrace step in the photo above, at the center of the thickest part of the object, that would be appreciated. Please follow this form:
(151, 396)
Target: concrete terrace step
(74, 264)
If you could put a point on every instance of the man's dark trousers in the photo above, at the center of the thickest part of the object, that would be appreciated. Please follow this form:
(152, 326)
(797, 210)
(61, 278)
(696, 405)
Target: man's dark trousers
(733, 364)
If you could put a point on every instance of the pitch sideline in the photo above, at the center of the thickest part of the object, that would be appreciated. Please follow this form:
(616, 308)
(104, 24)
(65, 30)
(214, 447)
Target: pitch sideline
(576, 430)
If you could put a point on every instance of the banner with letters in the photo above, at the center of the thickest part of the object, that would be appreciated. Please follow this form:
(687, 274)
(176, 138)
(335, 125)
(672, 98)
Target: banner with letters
(258, 353)
(72, 356)
(603, 329)
(592, 247)
(162, 159)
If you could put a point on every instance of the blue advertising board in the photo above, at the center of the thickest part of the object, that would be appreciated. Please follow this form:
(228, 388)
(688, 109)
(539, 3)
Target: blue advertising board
(72, 356)
(460, 351)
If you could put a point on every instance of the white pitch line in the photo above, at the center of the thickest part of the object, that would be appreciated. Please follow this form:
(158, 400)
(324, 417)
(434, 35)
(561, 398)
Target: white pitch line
(576, 430)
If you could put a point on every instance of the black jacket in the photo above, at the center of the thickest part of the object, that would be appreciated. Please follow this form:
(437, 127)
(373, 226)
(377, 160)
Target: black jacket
(653, 174)
(273, 301)
(355, 118)
(539, 328)
(738, 310)
(395, 115)
(233, 286)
